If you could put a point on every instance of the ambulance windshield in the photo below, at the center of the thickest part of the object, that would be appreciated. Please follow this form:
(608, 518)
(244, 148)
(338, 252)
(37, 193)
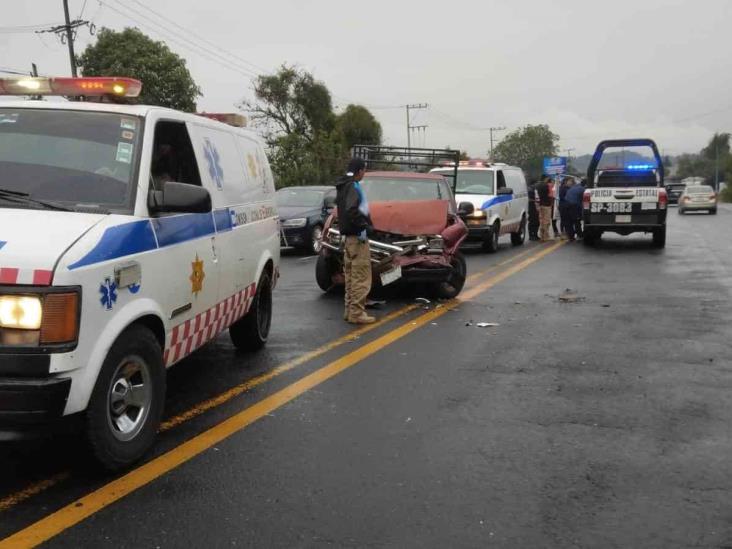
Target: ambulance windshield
(81, 160)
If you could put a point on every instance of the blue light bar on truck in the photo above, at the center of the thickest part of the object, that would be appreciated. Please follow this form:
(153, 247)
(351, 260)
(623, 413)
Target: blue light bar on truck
(640, 167)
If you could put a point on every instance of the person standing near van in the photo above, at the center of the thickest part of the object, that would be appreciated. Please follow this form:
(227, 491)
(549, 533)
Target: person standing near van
(543, 190)
(574, 211)
(354, 224)
(533, 213)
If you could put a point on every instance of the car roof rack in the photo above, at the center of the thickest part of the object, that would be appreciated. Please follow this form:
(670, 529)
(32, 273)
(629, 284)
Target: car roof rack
(413, 159)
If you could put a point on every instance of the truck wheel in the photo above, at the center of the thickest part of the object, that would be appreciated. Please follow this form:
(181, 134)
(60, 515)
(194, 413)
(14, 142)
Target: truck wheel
(659, 237)
(454, 285)
(518, 238)
(491, 244)
(251, 331)
(127, 402)
(324, 270)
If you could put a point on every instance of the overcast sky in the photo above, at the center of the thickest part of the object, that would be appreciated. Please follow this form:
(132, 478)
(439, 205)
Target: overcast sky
(589, 69)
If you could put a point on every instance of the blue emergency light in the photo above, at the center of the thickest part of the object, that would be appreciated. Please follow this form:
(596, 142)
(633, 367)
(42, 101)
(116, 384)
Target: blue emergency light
(640, 167)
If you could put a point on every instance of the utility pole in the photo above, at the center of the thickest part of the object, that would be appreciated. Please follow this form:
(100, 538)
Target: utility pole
(70, 38)
(569, 156)
(409, 124)
(67, 33)
(491, 130)
(716, 164)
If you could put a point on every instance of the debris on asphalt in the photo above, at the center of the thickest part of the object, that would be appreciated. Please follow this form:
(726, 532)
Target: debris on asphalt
(423, 300)
(469, 323)
(375, 303)
(487, 325)
(570, 296)
(606, 305)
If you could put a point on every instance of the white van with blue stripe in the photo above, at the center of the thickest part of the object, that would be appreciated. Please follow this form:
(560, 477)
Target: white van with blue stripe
(130, 236)
(494, 199)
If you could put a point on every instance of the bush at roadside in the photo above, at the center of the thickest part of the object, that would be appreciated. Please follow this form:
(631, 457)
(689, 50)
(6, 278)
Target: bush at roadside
(726, 194)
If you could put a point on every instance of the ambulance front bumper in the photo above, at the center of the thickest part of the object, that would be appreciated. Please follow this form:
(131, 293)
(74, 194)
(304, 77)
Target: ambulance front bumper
(28, 394)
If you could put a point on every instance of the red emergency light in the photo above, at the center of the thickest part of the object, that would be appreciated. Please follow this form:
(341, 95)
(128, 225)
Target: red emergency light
(87, 86)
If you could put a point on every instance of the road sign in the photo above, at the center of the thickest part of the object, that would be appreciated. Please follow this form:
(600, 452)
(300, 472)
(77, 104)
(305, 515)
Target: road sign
(555, 165)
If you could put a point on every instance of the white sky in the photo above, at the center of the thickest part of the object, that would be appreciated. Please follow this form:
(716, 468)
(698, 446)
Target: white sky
(591, 70)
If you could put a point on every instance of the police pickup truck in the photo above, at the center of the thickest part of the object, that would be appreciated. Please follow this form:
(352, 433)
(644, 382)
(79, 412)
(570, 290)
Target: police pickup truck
(130, 236)
(625, 199)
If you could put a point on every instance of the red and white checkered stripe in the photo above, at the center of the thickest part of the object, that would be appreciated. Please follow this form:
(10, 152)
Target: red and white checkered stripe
(193, 333)
(37, 277)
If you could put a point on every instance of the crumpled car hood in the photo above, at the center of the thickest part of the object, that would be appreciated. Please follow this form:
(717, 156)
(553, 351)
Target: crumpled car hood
(413, 218)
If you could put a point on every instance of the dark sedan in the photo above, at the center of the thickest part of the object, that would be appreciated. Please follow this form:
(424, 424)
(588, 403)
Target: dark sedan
(302, 212)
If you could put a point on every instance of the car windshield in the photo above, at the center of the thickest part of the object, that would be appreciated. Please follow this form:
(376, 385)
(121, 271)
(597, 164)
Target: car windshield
(293, 196)
(474, 182)
(382, 189)
(699, 189)
(81, 160)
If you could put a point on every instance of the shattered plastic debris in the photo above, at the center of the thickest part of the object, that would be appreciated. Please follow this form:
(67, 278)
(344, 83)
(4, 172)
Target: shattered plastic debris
(423, 300)
(487, 325)
(375, 303)
(570, 296)
(469, 323)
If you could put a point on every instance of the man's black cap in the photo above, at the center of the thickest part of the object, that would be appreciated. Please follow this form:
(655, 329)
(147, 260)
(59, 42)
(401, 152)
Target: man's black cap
(355, 166)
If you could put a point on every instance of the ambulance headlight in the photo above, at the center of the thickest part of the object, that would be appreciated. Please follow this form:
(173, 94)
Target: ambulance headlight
(49, 317)
(295, 223)
(20, 312)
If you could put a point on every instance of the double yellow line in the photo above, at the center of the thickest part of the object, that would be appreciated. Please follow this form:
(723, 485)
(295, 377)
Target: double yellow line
(77, 511)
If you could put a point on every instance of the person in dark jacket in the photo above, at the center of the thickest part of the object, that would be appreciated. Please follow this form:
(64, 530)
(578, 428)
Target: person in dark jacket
(354, 224)
(574, 210)
(546, 200)
(533, 213)
(564, 207)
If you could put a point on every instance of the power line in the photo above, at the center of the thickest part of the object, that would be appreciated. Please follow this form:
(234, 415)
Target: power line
(189, 32)
(183, 42)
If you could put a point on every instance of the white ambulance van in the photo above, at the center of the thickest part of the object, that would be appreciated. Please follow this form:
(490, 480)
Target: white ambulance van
(130, 236)
(497, 198)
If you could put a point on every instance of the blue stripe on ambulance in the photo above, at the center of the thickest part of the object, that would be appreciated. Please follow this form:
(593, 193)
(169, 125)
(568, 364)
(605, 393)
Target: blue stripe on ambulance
(496, 200)
(150, 234)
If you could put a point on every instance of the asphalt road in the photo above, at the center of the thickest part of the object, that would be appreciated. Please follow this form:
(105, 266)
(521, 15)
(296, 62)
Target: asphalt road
(598, 422)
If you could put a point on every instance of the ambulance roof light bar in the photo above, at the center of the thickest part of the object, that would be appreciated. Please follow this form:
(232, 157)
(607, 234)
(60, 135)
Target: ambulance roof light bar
(89, 86)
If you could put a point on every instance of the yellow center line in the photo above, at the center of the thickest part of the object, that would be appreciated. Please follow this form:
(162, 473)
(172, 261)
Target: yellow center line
(220, 399)
(32, 489)
(72, 514)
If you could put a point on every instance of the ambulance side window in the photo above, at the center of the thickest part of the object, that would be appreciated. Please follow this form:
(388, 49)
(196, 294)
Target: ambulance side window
(501, 180)
(173, 156)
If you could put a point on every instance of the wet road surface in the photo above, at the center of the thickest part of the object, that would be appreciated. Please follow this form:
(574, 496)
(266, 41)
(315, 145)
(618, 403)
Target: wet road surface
(602, 421)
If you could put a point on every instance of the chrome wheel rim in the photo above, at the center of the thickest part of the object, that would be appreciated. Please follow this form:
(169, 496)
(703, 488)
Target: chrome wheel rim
(129, 398)
(317, 237)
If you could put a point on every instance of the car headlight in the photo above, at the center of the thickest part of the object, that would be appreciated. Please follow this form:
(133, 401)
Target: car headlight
(50, 318)
(21, 312)
(295, 223)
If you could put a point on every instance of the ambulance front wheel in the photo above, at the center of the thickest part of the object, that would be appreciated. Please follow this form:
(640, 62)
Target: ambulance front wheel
(251, 331)
(127, 402)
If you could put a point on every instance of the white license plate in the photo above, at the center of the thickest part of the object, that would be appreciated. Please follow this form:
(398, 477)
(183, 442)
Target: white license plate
(648, 206)
(622, 218)
(391, 276)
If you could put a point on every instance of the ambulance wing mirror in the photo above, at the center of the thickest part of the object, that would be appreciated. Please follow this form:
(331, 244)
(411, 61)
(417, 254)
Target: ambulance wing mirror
(180, 198)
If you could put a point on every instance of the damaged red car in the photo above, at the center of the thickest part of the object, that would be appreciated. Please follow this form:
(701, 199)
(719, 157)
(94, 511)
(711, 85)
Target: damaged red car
(416, 237)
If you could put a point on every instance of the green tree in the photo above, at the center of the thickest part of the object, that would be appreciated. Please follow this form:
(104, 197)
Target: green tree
(308, 143)
(290, 102)
(358, 126)
(527, 147)
(165, 78)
